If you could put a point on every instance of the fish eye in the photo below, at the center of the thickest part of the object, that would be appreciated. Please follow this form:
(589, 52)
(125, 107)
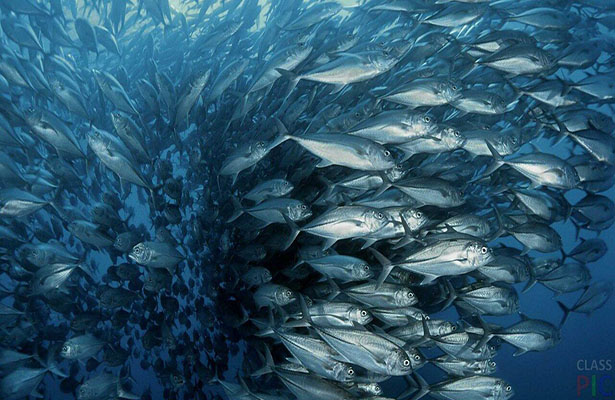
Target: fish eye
(419, 214)
(288, 293)
(357, 114)
(406, 363)
(454, 87)
(417, 357)
(379, 215)
(508, 388)
(453, 328)
(363, 313)
(303, 207)
(64, 348)
(492, 363)
(483, 250)
(427, 119)
(387, 153)
(366, 267)
(350, 371)
(457, 133)
(410, 294)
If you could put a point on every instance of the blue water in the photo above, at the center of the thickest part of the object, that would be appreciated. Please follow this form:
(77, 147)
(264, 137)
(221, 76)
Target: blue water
(585, 353)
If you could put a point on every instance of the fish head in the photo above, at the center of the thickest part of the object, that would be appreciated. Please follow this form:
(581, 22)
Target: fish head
(362, 271)
(498, 105)
(86, 391)
(445, 328)
(343, 372)
(416, 358)
(372, 388)
(95, 138)
(488, 367)
(32, 115)
(26, 251)
(301, 51)
(449, 90)
(122, 241)
(396, 173)
(299, 212)
(508, 143)
(503, 390)
(98, 211)
(151, 284)
(383, 60)
(118, 120)
(68, 350)
(140, 253)
(284, 296)
(398, 362)
(478, 254)
(359, 315)
(404, 297)
(35, 255)
(376, 219)
(452, 138)
(421, 122)
(283, 187)
(75, 228)
(177, 380)
(265, 275)
(380, 157)
(416, 219)
(258, 150)
(56, 85)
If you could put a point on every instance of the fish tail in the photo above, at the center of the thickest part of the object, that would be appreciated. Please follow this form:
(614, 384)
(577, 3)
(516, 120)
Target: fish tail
(387, 267)
(239, 210)
(294, 231)
(269, 366)
(566, 311)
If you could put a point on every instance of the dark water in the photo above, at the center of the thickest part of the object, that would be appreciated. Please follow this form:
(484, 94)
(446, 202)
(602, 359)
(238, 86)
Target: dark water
(150, 121)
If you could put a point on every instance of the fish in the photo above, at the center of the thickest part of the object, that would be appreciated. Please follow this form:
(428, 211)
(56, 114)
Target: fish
(294, 199)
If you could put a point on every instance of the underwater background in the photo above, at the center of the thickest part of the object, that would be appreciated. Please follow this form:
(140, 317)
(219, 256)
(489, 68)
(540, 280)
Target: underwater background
(148, 251)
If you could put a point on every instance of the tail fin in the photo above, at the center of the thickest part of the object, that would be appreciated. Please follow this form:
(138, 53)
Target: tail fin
(498, 161)
(294, 231)
(238, 212)
(269, 366)
(500, 229)
(416, 384)
(487, 334)
(282, 134)
(532, 281)
(564, 255)
(304, 309)
(293, 80)
(387, 267)
(123, 394)
(452, 295)
(408, 237)
(50, 364)
(566, 311)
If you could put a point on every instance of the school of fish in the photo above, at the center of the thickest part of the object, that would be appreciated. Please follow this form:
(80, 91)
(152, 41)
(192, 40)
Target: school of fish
(282, 199)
